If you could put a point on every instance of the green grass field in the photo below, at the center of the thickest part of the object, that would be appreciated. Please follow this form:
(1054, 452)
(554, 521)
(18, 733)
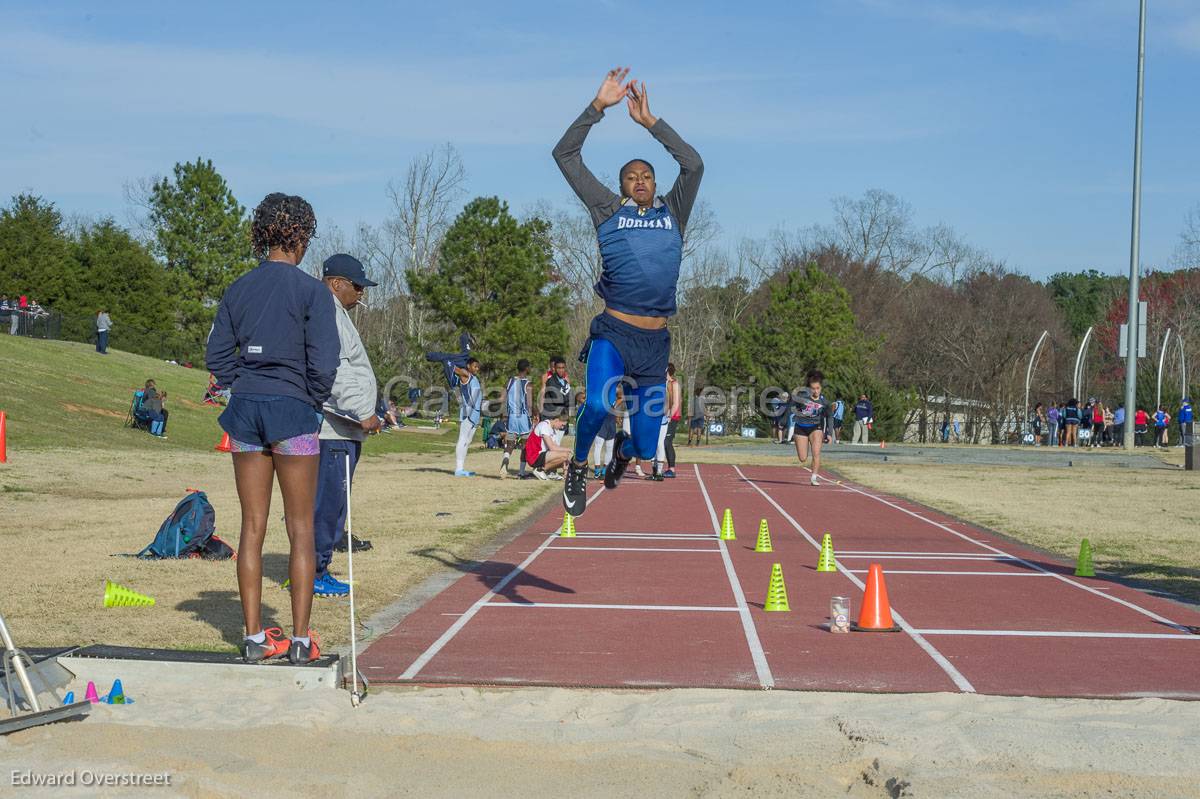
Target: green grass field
(61, 394)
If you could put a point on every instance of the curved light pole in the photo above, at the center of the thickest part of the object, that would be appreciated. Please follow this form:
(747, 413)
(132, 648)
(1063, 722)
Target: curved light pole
(1029, 376)
(1081, 362)
(1162, 360)
(1162, 357)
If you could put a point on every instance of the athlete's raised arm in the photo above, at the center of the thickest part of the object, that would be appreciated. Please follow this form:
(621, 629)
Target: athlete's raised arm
(600, 200)
(682, 195)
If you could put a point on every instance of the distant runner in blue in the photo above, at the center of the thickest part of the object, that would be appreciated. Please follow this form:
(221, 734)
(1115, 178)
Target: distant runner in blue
(641, 246)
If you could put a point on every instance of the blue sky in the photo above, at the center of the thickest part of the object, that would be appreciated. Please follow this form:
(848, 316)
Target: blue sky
(1009, 121)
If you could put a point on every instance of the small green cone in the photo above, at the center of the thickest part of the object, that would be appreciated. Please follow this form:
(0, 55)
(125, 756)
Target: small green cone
(568, 526)
(764, 538)
(727, 533)
(826, 563)
(1083, 566)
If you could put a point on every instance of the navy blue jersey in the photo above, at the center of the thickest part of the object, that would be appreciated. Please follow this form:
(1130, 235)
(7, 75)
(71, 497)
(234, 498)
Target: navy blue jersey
(641, 248)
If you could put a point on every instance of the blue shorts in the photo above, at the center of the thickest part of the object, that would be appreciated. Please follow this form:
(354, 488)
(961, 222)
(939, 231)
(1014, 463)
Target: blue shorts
(519, 425)
(261, 420)
(644, 352)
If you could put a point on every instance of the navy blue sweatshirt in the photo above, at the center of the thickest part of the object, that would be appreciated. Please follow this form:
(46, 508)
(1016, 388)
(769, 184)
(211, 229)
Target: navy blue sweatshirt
(276, 333)
(641, 248)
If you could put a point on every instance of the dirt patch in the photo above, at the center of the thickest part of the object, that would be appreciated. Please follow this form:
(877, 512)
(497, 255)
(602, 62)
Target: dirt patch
(71, 407)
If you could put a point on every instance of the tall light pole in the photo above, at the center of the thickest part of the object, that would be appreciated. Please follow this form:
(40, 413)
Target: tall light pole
(1135, 242)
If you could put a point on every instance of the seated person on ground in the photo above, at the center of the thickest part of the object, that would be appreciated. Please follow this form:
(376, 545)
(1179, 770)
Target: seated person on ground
(152, 407)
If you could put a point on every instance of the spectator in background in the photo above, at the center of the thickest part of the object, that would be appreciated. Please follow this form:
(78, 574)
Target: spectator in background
(839, 415)
(1162, 421)
(1071, 417)
(1185, 421)
(946, 429)
(1118, 431)
(1140, 421)
(470, 412)
(152, 405)
(696, 416)
(1052, 425)
(14, 316)
(517, 409)
(103, 325)
(1085, 424)
(1097, 424)
(1108, 426)
(1036, 420)
(664, 463)
(555, 400)
(864, 414)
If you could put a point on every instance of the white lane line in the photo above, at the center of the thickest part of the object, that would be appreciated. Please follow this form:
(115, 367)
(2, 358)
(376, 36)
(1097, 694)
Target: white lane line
(1063, 634)
(454, 629)
(882, 553)
(954, 674)
(1145, 612)
(631, 549)
(617, 536)
(973, 574)
(761, 667)
(586, 606)
(850, 556)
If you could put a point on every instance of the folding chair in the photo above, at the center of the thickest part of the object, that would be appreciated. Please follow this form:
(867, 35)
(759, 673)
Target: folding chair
(137, 418)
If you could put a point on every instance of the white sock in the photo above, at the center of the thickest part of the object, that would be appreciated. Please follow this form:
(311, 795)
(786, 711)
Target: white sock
(258, 638)
(305, 640)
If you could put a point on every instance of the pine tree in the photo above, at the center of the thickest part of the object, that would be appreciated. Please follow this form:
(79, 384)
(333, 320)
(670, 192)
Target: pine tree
(202, 235)
(116, 272)
(807, 324)
(34, 251)
(494, 279)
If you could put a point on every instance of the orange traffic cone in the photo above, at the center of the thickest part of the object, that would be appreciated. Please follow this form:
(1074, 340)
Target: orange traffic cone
(876, 615)
(3, 437)
(224, 446)
(882, 444)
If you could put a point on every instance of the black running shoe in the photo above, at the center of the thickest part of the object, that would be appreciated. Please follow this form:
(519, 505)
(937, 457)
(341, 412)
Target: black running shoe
(299, 654)
(615, 469)
(360, 545)
(575, 488)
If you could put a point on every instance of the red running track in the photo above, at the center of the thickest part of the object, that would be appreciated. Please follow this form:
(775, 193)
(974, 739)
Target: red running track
(648, 596)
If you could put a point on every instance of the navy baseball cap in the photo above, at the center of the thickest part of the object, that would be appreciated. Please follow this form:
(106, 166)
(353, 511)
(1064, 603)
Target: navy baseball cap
(349, 267)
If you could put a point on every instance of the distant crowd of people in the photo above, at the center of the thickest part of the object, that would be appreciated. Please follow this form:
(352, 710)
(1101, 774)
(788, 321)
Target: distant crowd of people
(1095, 424)
(19, 312)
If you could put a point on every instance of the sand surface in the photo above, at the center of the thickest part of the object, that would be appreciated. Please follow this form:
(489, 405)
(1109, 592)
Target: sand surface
(535, 742)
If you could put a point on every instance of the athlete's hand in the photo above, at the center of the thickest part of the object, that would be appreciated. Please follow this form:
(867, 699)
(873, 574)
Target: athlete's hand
(612, 90)
(638, 101)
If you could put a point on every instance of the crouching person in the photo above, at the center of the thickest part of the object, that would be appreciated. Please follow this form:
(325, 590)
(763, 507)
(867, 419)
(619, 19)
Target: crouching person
(352, 399)
(543, 453)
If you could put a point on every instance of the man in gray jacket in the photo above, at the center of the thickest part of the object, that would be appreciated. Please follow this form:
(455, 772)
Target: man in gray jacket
(349, 418)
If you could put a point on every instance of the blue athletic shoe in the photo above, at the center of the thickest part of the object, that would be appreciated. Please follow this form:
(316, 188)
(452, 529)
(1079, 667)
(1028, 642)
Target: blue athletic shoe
(463, 473)
(328, 585)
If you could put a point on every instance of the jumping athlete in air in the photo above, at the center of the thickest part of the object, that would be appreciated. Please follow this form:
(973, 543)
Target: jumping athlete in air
(813, 421)
(641, 245)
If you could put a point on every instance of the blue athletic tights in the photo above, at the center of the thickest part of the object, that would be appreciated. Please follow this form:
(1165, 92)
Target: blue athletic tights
(646, 404)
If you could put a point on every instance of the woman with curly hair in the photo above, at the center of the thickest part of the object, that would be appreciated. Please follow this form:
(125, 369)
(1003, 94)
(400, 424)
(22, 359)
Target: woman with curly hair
(275, 343)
